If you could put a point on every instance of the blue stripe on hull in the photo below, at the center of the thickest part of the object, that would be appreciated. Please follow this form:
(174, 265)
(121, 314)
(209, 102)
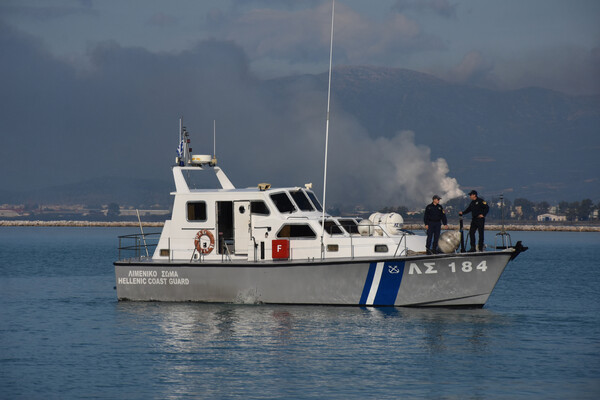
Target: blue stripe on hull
(368, 283)
(382, 283)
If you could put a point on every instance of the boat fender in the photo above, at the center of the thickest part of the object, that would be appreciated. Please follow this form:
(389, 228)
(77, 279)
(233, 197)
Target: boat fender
(449, 241)
(204, 246)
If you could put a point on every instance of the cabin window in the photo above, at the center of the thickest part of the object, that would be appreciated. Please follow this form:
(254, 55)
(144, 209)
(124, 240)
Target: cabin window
(314, 200)
(259, 207)
(381, 248)
(296, 231)
(333, 247)
(332, 228)
(301, 200)
(283, 203)
(349, 225)
(196, 211)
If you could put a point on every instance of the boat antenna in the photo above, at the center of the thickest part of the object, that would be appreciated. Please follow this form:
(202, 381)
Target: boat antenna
(142, 230)
(214, 160)
(327, 128)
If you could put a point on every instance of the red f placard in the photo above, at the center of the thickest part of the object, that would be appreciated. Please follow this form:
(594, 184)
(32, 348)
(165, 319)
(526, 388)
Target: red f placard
(281, 249)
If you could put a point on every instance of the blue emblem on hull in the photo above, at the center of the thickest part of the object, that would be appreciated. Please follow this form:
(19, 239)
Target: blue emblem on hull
(382, 284)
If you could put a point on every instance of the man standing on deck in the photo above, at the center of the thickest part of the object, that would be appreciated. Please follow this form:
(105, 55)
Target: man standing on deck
(433, 218)
(478, 209)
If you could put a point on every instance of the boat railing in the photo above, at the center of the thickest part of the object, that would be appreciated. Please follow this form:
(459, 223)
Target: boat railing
(352, 230)
(402, 239)
(137, 246)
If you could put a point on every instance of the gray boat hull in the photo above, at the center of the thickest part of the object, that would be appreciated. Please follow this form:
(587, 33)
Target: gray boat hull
(465, 279)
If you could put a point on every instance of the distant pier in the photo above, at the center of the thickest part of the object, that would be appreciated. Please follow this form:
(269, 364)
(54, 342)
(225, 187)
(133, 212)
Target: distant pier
(416, 227)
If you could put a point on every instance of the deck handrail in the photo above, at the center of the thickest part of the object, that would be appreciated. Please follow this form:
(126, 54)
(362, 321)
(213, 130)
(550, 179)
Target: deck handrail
(139, 243)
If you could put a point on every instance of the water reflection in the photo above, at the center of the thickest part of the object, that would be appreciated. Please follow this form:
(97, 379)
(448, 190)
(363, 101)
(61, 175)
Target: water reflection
(246, 345)
(455, 329)
(201, 323)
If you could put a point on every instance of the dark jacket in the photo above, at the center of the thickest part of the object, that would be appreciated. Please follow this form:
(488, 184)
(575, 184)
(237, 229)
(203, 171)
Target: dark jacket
(477, 207)
(434, 213)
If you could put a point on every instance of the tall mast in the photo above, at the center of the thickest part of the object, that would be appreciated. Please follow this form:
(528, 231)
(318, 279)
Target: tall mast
(327, 129)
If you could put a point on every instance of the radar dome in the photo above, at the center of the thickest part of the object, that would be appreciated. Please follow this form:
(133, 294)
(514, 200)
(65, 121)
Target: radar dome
(365, 227)
(393, 223)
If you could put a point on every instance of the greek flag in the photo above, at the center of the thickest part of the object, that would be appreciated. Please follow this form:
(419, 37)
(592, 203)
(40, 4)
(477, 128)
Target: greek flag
(180, 150)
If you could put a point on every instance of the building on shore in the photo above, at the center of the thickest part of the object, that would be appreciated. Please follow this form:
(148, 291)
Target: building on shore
(551, 217)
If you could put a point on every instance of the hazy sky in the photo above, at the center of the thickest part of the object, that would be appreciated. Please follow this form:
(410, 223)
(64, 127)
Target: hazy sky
(509, 43)
(97, 84)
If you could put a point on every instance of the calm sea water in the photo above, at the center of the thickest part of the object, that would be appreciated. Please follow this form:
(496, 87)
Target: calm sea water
(64, 335)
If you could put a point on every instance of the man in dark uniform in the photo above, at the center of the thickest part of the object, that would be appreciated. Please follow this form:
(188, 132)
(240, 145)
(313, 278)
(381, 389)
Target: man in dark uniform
(433, 218)
(478, 209)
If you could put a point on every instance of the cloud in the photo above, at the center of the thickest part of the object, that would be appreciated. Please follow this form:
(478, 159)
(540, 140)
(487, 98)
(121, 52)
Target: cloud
(566, 68)
(474, 69)
(162, 20)
(47, 12)
(301, 36)
(289, 4)
(120, 118)
(439, 7)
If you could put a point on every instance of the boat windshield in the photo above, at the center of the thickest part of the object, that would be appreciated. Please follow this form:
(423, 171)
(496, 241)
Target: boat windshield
(314, 200)
(301, 200)
(283, 202)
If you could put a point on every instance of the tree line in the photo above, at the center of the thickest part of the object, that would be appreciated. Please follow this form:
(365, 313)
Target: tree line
(519, 209)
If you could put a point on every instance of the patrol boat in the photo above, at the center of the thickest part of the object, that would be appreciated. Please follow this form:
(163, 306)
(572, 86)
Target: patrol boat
(277, 246)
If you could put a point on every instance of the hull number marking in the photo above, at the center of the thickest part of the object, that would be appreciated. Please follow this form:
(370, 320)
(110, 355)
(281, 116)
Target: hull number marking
(429, 267)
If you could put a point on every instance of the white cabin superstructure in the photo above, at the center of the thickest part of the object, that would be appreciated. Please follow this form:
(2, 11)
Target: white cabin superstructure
(253, 224)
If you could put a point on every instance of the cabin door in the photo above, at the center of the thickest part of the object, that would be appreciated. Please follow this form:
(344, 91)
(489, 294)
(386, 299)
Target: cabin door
(241, 226)
(226, 244)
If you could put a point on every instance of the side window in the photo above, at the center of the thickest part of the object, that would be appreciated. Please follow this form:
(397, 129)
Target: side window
(196, 211)
(381, 248)
(296, 231)
(283, 203)
(349, 225)
(259, 207)
(332, 228)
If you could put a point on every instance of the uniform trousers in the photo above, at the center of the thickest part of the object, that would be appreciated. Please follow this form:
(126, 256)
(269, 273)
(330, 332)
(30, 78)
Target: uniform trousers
(433, 233)
(477, 224)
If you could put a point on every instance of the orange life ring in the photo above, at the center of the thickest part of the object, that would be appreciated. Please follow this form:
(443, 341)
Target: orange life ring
(208, 247)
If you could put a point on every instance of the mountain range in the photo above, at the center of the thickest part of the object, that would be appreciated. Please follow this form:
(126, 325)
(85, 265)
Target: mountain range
(95, 192)
(533, 143)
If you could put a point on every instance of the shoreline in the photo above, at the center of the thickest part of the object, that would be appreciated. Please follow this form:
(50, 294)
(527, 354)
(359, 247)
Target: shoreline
(133, 224)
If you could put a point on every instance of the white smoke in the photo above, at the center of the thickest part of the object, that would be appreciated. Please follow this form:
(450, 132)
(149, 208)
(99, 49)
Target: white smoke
(388, 171)
(373, 172)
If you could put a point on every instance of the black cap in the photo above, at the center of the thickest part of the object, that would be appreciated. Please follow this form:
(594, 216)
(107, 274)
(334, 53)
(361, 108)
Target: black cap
(436, 197)
(473, 192)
